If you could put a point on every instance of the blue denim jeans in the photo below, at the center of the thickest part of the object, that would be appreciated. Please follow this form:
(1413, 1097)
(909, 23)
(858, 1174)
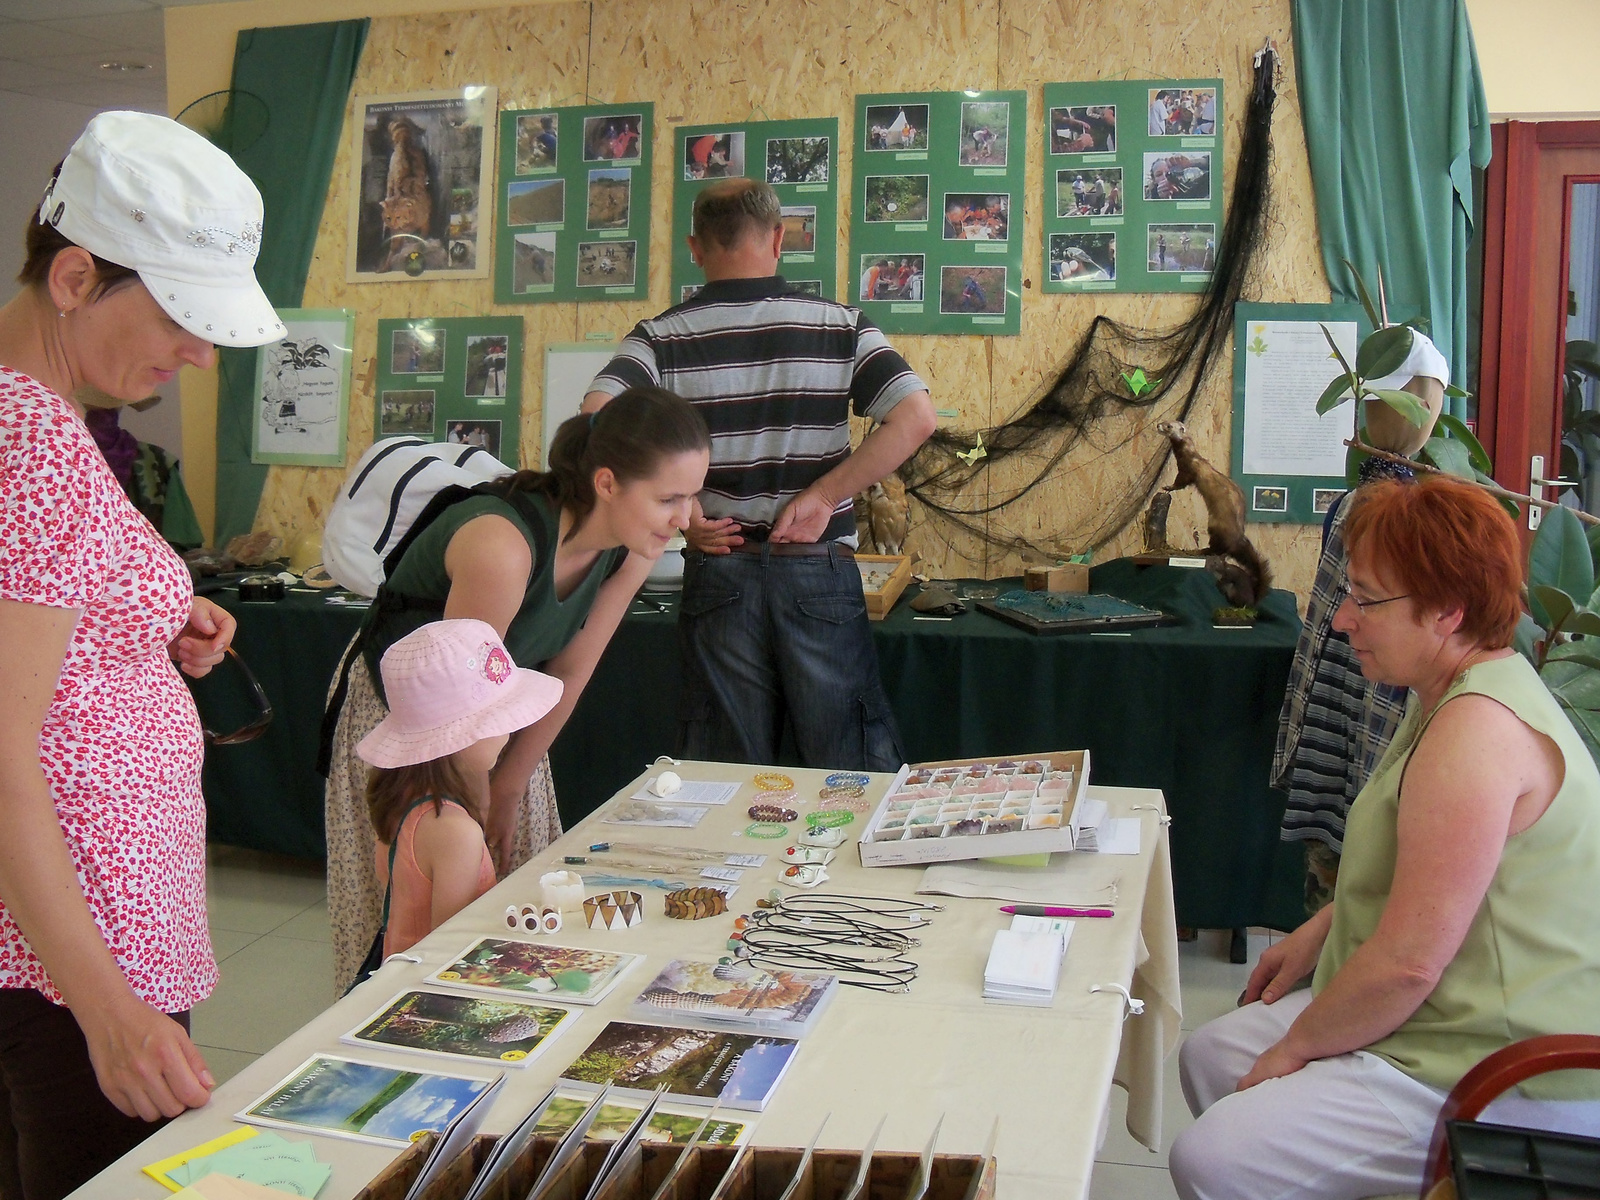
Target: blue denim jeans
(766, 639)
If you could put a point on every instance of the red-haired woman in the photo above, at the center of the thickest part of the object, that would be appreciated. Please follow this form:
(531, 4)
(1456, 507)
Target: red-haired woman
(1467, 912)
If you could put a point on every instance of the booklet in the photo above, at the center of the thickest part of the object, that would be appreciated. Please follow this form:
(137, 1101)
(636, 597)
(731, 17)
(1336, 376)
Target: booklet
(452, 1025)
(707, 1066)
(736, 996)
(366, 1102)
(567, 973)
(670, 1125)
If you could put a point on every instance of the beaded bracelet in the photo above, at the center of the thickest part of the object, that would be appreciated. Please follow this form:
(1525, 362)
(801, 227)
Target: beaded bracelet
(842, 791)
(847, 779)
(772, 781)
(830, 819)
(772, 812)
(766, 830)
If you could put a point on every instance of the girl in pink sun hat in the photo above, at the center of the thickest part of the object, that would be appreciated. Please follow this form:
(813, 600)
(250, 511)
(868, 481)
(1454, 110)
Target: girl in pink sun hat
(455, 698)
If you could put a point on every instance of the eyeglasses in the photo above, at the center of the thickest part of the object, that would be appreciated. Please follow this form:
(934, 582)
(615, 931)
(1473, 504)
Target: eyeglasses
(258, 725)
(1363, 605)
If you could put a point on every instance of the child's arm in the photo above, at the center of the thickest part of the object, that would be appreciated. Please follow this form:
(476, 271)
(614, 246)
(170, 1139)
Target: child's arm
(449, 849)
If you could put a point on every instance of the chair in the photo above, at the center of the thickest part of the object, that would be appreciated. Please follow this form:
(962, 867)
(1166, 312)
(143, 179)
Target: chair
(1501, 1070)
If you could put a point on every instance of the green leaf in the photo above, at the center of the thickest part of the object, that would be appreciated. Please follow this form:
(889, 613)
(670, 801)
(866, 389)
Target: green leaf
(1383, 352)
(1560, 555)
(1583, 356)
(1404, 403)
(1451, 389)
(1335, 394)
(1366, 296)
(1526, 636)
(1449, 456)
(1573, 684)
(1585, 622)
(1576, 652)
(1457, 428)
(1557, 605)
(1337, 353)
(1586, 722)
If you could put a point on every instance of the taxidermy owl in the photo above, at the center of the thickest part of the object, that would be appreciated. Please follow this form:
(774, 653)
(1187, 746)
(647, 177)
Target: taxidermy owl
(889, 514)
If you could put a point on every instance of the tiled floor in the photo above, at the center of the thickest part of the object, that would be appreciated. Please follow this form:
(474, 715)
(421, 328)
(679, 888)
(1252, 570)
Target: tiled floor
(269, 923)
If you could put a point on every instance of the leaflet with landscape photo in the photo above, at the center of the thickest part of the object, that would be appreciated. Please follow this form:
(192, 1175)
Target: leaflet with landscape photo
(366, 1102)
(705, 1066)
(452, 1025)
(507, 1148)
(455, 1138)
(736, 995)
(671, 1125)
(502, 965)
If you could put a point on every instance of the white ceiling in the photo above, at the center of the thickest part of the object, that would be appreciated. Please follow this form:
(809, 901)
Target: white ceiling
(53, 50)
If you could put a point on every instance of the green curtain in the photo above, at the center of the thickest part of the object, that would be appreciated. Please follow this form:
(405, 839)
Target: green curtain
(303, 74)
(1395, 121)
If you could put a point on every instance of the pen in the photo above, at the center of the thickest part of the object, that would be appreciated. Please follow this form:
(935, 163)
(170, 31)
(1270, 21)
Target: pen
(1040, 910)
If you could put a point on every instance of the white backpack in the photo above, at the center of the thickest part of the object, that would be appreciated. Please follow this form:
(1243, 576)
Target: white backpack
(384, 494)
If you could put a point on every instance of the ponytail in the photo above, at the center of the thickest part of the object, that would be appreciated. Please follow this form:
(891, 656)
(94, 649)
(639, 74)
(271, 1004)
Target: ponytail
(631, 435)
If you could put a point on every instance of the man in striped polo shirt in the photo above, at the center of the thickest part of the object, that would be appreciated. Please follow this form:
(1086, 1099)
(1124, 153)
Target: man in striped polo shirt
(773, 626)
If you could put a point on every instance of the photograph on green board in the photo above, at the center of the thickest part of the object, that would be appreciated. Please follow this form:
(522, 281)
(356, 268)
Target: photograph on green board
(892, 276)
(1083, 257)
(1185, 248)
(486, 366)
(537, 142)
(714, 156)
(975, 290)
(610, 192)
(533, 263)
(1323, 499)
(798, 160)
(483, 434)
(1089, 192)
(897, 127)
(606, 264)
(806, 287)
(409, 411)
(1185, 176)
(977, 216)
(688, 292)
(1269, 499)
(799, 228)
(536, 202)
(416, 352)
(612, 137)
(985, 137)
(896, 198)
(1182, 112)
(1083, 129)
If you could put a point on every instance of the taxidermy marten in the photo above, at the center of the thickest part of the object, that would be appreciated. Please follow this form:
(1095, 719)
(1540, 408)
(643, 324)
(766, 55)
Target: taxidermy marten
(1225, 514)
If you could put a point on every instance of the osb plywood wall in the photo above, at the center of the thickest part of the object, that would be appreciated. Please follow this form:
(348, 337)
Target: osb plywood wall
(701, 61)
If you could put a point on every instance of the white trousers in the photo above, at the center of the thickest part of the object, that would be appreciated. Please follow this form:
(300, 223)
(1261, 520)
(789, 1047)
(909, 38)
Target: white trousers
(1339, 1128)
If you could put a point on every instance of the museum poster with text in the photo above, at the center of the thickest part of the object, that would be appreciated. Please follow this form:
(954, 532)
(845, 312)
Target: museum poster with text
(1132, 185)
(798, 158)
(455, 379)
(936, 211)
(574, 204)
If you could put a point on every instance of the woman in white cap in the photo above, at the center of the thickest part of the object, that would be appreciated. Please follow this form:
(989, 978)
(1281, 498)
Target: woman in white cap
(140, 261)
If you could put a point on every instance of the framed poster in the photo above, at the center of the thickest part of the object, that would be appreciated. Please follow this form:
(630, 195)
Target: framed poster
(456, 379)
(798, 158)
(573, 209)
(1290, 461)
(936, 211)
(1132, 185)
(421, 173)
(302, 392)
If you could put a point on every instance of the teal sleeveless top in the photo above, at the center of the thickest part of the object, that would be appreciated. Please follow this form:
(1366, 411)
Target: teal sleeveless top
(1530, 963)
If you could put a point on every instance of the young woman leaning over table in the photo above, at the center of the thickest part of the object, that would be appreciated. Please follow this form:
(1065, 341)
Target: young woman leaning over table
(139, 261)
(551, 561)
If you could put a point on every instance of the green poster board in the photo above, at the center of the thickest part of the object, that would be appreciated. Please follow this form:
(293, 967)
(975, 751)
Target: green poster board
(1289, 461)
(452, 380)
(936, 211)
(799, 159)
(573, 211)
(1126, 208)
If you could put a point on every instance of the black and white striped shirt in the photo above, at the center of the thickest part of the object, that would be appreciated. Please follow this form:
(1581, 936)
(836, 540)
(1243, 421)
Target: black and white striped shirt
(776, 375)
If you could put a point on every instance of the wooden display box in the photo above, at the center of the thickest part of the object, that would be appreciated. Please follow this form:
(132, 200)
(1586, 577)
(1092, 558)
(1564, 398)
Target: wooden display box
(762, 1175)
(952, 847)
(882, 601)
(1064, 577)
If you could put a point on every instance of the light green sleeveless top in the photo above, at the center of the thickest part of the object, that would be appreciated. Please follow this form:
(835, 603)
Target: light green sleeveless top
(1530, 963)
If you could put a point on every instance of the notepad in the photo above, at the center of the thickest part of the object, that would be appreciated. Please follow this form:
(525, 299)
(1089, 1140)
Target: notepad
(1024, 966)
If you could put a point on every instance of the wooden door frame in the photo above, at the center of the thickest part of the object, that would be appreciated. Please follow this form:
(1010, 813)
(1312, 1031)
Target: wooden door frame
(1507, 350)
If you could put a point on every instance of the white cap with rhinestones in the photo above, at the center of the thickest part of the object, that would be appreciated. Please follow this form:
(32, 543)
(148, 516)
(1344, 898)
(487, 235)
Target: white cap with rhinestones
(144, 192)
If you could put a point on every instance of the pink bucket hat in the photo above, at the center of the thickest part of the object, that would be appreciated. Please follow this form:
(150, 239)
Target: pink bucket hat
(450, 684)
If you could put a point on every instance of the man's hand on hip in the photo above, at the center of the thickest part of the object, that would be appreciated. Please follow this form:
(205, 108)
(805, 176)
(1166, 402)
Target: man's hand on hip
(804, 519)
(712, 537)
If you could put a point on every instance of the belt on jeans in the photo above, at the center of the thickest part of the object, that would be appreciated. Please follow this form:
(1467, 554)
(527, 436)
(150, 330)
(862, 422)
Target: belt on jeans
(792, 549)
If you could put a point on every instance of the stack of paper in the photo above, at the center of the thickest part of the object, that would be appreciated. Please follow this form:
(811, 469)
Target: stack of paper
(265, 1159)
(1025, 961)
(1087, 820)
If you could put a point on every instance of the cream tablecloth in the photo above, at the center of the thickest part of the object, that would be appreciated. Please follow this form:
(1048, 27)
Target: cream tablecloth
(938, 1050)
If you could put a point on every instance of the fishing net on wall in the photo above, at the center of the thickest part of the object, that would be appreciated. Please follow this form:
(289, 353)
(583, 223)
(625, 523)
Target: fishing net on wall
(1090, 388)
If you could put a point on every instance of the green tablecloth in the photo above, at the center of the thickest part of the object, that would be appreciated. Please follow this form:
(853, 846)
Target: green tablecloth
(1186, 708)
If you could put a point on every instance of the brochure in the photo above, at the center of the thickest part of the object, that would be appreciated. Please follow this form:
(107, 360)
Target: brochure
(452, 1025)
(706, 1066)
(737, 996)
(567, 973)
(673, 1125)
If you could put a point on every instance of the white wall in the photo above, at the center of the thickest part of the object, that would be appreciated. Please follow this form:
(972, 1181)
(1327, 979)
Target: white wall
(35, 135)
(1536, 57)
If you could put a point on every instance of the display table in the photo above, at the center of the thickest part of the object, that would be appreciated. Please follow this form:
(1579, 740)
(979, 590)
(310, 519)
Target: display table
(939, 1050)
(1186, 708)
